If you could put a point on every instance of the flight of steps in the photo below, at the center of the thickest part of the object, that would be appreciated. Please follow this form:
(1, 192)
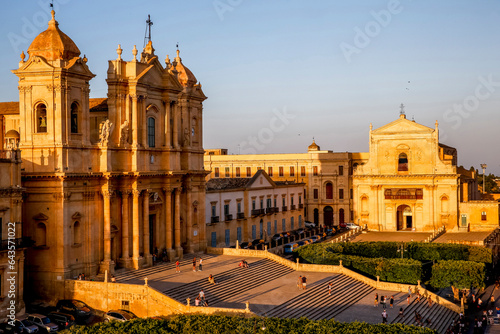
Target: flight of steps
(440, 317)
(316, 303)
(231, 282)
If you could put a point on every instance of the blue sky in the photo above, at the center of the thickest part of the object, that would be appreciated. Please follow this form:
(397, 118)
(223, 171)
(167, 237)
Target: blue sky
(278, 73)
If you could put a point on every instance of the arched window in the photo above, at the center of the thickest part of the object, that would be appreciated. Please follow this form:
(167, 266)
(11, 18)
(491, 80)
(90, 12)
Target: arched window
(74, 117)
(76, 233)
(403, 163)
(364, 204)
(151, 132)
(444, 204)
(41, 235)
(41, 118)
(329, 190)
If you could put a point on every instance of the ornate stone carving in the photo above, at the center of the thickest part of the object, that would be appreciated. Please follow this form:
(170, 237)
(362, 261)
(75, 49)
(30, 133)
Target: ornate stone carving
(105, 130)
(124, 133)
(88, 195)
(62, 196)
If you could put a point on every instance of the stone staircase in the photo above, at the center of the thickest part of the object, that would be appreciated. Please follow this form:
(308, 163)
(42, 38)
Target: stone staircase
(439, 316)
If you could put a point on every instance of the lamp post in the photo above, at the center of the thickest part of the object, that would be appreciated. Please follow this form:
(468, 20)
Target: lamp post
(484, 166)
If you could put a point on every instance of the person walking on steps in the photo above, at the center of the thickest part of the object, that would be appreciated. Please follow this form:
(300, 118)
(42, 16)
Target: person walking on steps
(177, 267)
(375, 303)
(299, 283)
(200, 264)
(194, 264)
(330, 286)
(391, 301)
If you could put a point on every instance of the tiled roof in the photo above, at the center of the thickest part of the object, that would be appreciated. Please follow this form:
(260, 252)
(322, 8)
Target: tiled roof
(9, 108)
(226, 183)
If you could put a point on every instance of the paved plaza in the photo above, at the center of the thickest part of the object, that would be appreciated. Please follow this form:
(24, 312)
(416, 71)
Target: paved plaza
(271, 289)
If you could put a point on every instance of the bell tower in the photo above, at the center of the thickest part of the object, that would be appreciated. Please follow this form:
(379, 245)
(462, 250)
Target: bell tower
(53, 103)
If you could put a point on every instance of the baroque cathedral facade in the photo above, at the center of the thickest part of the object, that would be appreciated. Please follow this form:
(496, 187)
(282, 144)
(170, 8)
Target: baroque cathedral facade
(107, 182)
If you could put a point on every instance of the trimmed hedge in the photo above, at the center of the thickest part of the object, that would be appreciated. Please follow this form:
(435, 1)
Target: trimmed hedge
(460, 274)
(414, 250)
(188, 324)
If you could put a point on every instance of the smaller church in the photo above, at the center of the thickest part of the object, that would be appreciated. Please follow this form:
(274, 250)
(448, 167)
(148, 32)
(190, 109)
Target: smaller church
(410, 181)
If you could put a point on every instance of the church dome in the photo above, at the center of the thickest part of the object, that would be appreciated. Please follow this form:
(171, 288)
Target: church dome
(313, 147)
(53, 44)
(184, 74)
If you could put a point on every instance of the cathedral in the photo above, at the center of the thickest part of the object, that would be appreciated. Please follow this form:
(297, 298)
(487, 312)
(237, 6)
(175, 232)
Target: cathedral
(106, 182)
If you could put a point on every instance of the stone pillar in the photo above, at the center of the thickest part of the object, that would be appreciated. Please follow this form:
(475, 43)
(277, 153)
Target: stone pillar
(145, 221)
(134, 125)
(189, 223)
(107, 264)
(135, 229)
(125, 227)
(168, 223)
(168, 111)
(178, 248)
(175, 144)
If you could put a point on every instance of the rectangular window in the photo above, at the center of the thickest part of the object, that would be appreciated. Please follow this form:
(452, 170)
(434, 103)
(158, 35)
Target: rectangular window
(226, 209)
(350, 193)
(341, 170)
(302, 170)
(483, 215)
(227, 237)
(269, 202)
(291, 200)
(214, 239)
(216, 172)
(238, 234)
(253, 204)
(249, 171)
(275, 226)
(315, 170)
(239, 207)
(281, 172)
(125, 305)
(226, 172)
(300, 199)
(275, 202)
(214, 211)
(151, 132)
(254, 232)
(261, 203)
(341, 193)
(292, 171)
(261, 229)
(284, 201)
(352, 215)
(269, 231)
(315, 193)
(238, 174)
(270, 171)
(291, 223)
(283, 224)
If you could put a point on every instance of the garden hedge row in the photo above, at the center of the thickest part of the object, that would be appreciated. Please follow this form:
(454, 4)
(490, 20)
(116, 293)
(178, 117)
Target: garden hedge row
(189, 324)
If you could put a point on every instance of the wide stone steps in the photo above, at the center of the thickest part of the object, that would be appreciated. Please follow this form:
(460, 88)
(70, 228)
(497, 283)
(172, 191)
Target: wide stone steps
(315, 303)
(186, 264)
(440, 317)
(230, 283)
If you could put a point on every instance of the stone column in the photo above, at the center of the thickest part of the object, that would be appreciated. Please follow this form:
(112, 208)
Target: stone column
(168, 129)
(168, 223)
(175, 144)
(189, 223)
(134, 125)
(178, 248)
(107, 264)
(135, 228)
(145, 221)
(125, 227)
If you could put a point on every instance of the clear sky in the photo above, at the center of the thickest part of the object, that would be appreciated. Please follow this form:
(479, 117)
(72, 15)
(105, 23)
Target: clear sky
(278, 73)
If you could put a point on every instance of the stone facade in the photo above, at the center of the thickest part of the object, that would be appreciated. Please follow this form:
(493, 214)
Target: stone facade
(411, 182)
(326, 175)
(246, 209)
(108, 181)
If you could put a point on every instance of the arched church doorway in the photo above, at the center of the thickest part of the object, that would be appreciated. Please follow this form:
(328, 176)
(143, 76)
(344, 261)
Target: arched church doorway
(328, 216)
(405, 218)
(316, 217)
(341, 216)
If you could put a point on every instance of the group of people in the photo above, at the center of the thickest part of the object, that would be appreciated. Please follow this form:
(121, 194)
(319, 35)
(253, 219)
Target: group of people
(200, 299)
(302, 283)
(159, 257)
(243, 264)
(383, 301)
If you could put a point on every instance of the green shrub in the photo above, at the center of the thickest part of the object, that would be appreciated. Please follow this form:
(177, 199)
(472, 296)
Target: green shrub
(459, 274)
(188, 324)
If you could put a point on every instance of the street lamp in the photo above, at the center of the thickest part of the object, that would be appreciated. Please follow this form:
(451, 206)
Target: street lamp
(484, 166)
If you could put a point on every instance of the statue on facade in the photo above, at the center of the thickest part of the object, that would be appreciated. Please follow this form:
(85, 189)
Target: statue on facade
(124, 129)
(186, 137)
(106, 128)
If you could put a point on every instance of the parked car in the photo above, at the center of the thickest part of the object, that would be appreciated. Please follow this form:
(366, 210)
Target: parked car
(63, 320)
(44, 324)
(351, 226)
(5, 327)
(244, 245)
(119, 315)
(277, 237)
(309, 224)
(316, 238)
(25, 326)
(76, 308)
(342, 225)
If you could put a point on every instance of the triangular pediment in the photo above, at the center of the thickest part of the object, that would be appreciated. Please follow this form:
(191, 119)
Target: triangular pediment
(35, 63)
(40, 216)
(402, 125)
(261, 180)
(76, 65)
(76, 215)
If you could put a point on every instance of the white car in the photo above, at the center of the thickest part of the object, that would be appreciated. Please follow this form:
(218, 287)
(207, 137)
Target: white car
(351, 226)
(309, 224)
